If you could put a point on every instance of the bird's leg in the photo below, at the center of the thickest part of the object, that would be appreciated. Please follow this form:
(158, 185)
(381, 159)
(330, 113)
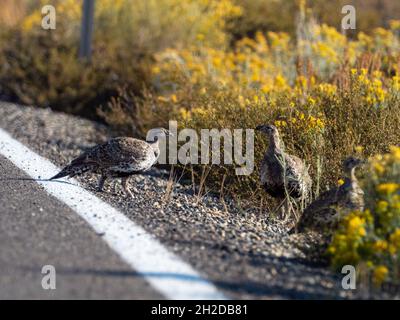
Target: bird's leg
(101, 183)
(124, 182)
(115, 186)
(283, 209)
(289, 208)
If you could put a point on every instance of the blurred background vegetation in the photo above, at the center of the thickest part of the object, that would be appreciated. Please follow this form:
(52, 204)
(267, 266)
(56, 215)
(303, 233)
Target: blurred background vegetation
(41, 68)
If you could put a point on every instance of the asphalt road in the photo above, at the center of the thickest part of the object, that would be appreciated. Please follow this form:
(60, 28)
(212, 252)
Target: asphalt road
(38, 230)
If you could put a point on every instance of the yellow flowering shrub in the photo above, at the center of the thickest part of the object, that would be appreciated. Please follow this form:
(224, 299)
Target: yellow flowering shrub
(373, 236)
(41, 67)
(157, 23)
(250, 68)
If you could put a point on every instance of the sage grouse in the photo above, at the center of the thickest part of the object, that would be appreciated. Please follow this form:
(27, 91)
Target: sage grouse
(118, 158)
(281, 174)
(324, 213)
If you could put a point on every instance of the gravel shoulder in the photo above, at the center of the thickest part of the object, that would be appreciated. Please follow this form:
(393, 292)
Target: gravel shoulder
(37, 230)
(243, 253)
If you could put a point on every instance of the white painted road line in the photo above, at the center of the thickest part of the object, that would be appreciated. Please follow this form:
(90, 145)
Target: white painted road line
(166, 272)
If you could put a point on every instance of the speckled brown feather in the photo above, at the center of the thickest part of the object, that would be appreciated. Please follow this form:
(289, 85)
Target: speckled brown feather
(278, 167)
(118, 157)
(117, 153)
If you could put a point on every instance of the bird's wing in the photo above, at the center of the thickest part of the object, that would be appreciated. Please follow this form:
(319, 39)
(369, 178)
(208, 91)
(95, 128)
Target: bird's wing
(297, 168)
(298, 179)
(84, 158)
(326, 199)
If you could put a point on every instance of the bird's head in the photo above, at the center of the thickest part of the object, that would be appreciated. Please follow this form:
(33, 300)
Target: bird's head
(166, 132)
(351, 163)
(268, 129)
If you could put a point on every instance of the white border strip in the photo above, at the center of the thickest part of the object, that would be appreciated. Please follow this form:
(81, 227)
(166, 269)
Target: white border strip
(166, 273)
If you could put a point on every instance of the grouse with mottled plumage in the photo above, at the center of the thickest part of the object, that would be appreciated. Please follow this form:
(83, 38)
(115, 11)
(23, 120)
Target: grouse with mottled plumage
(118, 158)
(282, 174)
(325, 212)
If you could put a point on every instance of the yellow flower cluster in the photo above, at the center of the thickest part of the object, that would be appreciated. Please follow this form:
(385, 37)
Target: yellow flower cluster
(350, 237)
(355, 226)
(327, 89)
(379, 275)
(386, 163)
(326, 48)
(388, 188)
(309, 124)
(381, 40)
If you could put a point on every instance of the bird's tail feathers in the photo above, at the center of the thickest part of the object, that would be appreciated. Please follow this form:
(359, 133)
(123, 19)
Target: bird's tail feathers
(72, 170)
(61, 174)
